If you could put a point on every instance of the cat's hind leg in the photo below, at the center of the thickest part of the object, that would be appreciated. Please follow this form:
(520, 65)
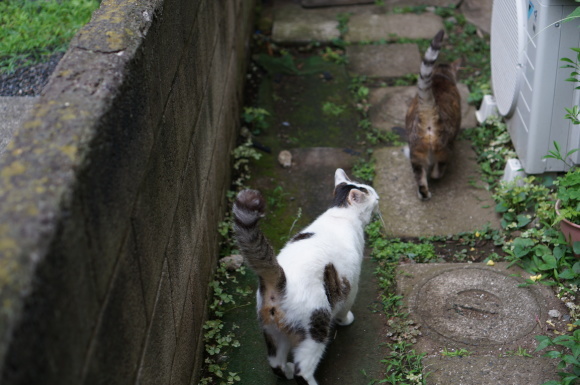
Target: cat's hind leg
(308, 353)
(344, 316)
(278, 346)
(421, 178)
(438, 170)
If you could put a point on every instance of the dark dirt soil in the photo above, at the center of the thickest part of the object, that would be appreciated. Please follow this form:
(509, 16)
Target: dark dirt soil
(28, 80)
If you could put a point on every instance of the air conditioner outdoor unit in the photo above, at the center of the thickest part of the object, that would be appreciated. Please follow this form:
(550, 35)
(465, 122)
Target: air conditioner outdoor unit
(528, 38)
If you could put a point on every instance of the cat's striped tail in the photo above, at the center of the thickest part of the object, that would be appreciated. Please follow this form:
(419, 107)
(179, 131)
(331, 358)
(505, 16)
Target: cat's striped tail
(424, 83)
(249, 208)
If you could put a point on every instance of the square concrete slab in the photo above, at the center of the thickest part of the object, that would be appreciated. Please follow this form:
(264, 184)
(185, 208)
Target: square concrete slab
(410, 3)
(13, 111)
(332, 3)
(390, 60)
(478, 12)
(379, 27)
(294, 24)
(389, 106)
(489, 370)
(456, 205)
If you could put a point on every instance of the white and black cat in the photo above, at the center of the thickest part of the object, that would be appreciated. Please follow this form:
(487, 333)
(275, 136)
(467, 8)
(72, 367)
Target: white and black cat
(313, 281)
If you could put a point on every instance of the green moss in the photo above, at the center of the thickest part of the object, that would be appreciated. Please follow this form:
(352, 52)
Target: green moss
(296, 106)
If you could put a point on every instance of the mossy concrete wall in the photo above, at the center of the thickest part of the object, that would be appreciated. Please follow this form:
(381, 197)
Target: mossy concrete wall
(111, 192)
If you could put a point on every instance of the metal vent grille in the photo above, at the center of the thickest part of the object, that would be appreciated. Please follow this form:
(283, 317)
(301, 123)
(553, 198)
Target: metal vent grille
(507, 46)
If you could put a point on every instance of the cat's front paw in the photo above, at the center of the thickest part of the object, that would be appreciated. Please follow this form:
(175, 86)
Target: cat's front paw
(343, 321)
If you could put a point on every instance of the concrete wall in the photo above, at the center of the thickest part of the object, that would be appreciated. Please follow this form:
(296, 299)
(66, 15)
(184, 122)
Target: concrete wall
(111, 192)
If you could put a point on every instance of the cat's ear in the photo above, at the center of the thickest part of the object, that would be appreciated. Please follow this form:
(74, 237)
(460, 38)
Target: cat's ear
(340, 177)
(356, 196)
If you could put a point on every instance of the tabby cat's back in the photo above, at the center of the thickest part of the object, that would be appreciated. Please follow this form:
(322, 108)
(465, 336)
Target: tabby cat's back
(433, 119)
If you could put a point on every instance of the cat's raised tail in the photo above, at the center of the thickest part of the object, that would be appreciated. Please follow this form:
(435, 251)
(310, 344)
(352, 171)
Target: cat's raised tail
(424, 82)
(249, 208)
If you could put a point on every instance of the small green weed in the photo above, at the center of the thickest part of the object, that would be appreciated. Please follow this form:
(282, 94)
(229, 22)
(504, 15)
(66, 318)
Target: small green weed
(242, 156)
(573, 113)
(332, 109)
(220, 338)
(521, 352)
(343, 19)
(373, 135)
(417, 9)
(364, 170)
(557, 154)
(403, 365)
(335, 55)
(275, 198)
(406, 80)
(455, 352)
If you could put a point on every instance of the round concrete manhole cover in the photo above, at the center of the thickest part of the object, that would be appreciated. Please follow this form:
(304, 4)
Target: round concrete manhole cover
(476, 306)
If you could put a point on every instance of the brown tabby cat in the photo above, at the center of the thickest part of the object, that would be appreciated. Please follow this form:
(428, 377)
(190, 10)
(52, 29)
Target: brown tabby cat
(433, 118)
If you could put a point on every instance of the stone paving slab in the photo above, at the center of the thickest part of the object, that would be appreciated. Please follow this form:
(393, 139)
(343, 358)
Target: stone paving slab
(378, 27)
(295, 25)
(478, 12)
(389, 106)
(483, 310)
(489, 370)
(385, 60)
(13, 111)
(456, 206)
(327, 3)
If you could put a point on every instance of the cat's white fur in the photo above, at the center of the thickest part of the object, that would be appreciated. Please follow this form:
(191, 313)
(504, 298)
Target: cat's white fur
(338, 239)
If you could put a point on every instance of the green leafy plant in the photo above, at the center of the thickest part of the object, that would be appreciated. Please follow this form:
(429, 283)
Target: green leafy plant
(568, 354)
(518, 200)
(569, 195)
(220, 338)
(492, 144)
(573, 113)
(256, 118)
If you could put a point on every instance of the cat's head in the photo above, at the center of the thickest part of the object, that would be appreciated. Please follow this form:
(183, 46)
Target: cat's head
(351, 194)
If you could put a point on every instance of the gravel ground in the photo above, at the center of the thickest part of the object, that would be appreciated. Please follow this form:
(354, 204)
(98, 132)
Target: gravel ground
(28, 81)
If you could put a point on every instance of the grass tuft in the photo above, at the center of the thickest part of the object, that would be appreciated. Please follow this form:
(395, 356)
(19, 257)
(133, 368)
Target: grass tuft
(30, 31)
